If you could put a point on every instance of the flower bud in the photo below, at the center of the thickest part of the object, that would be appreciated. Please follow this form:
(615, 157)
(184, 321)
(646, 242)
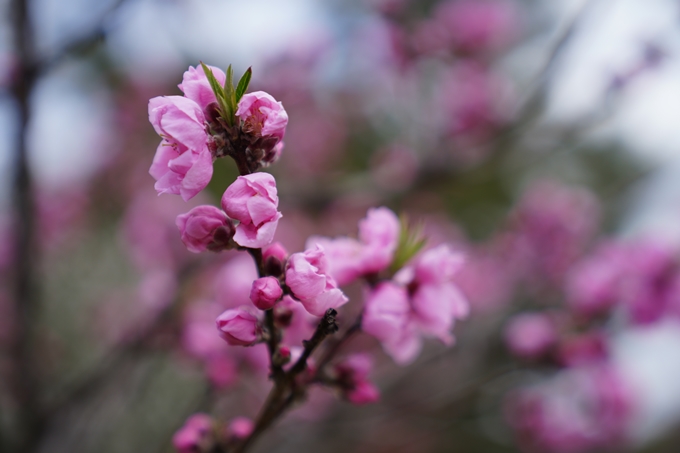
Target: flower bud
(274, 256)
(266, 291)
(205, 227)
(252, 200)
(240, 427)
(194, 436)
(238, 327)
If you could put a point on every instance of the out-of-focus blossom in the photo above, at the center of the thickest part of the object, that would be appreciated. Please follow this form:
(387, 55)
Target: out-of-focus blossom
(387, 317)
(308, 278)
(262, 115)
(240, 427)
(266, 292)
(352, 375)
(379, 233)
(530, 335)
(436, 300)
(583, 349)
(238, 327)
(183, 163)
(298, 323)
(221, 370)
(196, 87)
(474, 26)
(195, 435)
(650, 286)
(552, 226)
(252, 200)
(593, 284)
(486, 280)
(233, 282)
(150, 231)
(580, 410)
(349, 259)
(198, 334)
(205, 227)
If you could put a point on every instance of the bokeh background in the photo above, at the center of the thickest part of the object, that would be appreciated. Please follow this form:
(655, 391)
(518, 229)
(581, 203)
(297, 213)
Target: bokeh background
(539, 136)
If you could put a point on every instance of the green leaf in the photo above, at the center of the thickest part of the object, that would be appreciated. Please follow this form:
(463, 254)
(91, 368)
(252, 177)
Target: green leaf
(217, 89)
(243, 84)
(411, 241)
(229, 95)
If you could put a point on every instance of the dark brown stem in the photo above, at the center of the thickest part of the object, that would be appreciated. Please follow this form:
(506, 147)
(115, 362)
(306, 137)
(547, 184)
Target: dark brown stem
(334, 347)
(25, 379)
(287, 390)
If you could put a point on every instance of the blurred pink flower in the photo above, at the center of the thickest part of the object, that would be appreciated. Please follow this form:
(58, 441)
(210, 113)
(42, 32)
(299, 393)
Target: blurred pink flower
(553, 224)
(578, 411)
(352, 375)
(240, 427)
(307, 277)
(435, 299)
(387, 317)
(194, 434)
(594, 284)
(349, 259)
(233, 282)
(530, 335)
(252, 200)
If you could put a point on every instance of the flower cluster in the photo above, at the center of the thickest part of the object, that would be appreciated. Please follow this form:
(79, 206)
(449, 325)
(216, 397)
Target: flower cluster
(195, 129)
(282, 306)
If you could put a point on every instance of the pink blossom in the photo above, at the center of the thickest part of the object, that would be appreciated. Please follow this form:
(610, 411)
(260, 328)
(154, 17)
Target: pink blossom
(349, 259)
(307, 277)
(194, 434)
(180, 122)
(379, 232)
(241, 427)
(266, 292)
(578, 411)
(344, 256)
(387, 317)
(204, 227)
(183, 163)
(436, 300)
(530, 335)
(594, 283)
(262, 115)
(352, 374)
(553, 224)
(252, 200)
(196, 87)
(583, 349)
(238, 327)
(477, 25)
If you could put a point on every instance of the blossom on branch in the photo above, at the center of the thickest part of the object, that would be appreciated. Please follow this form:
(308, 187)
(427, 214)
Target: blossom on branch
(252, 200)
(307, 277)
(205, 227)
